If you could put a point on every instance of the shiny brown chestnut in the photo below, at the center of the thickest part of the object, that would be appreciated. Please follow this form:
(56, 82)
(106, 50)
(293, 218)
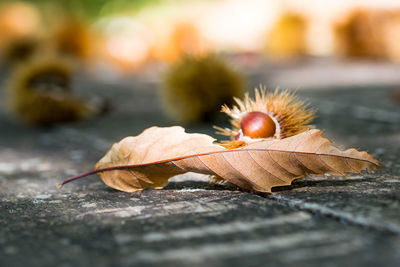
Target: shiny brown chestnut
(257, 125)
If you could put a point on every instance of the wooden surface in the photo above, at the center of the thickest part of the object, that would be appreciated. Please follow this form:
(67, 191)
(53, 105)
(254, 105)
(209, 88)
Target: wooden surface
(329, 221)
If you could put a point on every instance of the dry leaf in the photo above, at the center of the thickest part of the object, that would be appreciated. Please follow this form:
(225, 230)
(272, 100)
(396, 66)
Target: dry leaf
(151, 158)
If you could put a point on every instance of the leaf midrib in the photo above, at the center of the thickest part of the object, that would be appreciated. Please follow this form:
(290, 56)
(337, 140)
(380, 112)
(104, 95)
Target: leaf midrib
(233, 150)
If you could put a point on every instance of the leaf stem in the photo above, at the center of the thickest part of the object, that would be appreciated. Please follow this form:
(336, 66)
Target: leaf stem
(84, 174)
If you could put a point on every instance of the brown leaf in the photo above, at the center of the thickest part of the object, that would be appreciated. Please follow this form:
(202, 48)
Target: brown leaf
(151, 155)
(151, 158)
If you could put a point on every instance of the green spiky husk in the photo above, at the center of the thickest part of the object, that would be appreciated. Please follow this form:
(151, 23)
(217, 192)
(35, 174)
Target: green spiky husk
(196, 87)
(37, 108)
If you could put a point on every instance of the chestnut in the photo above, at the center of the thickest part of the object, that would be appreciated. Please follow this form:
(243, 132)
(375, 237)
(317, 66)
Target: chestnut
(257, 125)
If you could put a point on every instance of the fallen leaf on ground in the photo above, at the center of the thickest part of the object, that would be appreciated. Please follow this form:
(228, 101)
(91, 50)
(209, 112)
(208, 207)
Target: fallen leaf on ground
(151, 158)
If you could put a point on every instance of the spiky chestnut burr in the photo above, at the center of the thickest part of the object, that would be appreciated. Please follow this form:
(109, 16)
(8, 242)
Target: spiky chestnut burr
(40, 93)
(287, 39)
(360, 35)
(274, 115)
(195, 88)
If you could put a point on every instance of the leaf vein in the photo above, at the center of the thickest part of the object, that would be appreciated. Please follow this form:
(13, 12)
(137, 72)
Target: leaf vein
(266, 169)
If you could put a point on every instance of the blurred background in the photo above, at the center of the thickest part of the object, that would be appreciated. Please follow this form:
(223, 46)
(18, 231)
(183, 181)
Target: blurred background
(87, 58)
(78, 75)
